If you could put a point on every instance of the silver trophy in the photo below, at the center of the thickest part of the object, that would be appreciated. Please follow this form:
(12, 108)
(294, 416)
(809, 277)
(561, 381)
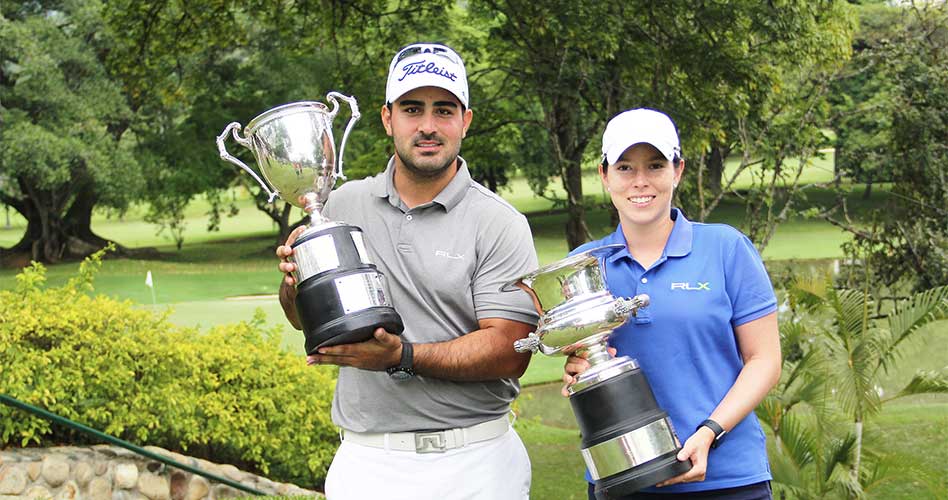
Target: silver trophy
(628, 442)
(341, 295)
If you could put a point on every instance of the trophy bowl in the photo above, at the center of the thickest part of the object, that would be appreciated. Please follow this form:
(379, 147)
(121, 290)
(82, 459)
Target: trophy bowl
(341, 296)
(628, 442)
(295, 150)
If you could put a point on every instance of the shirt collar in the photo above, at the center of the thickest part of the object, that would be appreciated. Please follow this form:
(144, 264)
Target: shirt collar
(678, 244)
(449, 197)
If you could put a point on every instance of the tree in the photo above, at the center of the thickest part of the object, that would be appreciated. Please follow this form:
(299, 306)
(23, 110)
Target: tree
(285, 58)
(907, 236)
(860, 117)
(84, 88)
(835, 350)
(861, 347)
(731, 75)
(757, 82)
(60, 153)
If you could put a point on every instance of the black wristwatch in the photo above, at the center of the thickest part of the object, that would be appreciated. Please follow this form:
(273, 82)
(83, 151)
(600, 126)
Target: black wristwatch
(403, 370)
(716, 428)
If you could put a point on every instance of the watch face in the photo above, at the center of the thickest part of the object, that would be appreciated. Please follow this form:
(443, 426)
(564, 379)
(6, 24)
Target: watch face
(400, 375)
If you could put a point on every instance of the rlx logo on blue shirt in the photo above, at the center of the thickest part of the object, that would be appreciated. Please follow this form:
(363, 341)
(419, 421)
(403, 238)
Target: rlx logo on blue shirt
(706, 285)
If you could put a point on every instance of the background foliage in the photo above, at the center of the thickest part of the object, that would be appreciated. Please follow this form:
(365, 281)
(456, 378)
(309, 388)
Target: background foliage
(230, 394)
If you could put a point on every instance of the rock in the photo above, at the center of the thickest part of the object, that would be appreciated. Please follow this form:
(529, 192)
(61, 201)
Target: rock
(224, 491)
(101, 468)
(154, 487)
(68, 492)
(82, 473)
(99, 489)
(179, 485)
(38, 493)
(55, 470)
(126, 476)
(34, 469)
(198, 488)
(12, 480)
(232, 472)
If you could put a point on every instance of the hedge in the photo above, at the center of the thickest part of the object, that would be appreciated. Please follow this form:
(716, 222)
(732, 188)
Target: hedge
(229, 395)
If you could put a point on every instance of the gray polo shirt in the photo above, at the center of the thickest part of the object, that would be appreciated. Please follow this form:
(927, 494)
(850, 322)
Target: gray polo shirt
(445, 262)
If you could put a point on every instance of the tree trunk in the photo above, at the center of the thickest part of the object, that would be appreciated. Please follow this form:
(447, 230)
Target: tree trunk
(577, 232)
(715, 172)
(52, 235)
(280, 216)
(79, 219)
(856, 462)
(868, 191)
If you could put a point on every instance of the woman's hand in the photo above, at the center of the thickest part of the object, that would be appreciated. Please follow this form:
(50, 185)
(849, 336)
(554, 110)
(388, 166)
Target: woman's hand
(696, 450)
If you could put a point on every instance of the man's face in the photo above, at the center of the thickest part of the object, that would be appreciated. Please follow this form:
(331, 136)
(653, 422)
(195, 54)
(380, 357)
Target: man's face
(427, 125)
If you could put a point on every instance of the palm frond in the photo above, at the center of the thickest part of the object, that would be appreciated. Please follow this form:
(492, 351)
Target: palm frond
(838, 454)
(924, 382)
(786, 491)
(850, 308)
(852, 383)
(796, 441)
(788, 480)
(770, 412)
(912, 314)
(808, 291)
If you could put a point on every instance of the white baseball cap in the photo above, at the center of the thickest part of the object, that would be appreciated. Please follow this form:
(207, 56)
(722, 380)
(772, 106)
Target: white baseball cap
(426, 65)
(637, 126)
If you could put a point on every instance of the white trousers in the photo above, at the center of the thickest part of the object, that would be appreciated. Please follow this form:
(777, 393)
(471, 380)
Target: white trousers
(498, 469)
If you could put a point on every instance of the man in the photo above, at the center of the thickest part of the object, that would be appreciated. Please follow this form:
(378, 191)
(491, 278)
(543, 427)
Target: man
(424, 414)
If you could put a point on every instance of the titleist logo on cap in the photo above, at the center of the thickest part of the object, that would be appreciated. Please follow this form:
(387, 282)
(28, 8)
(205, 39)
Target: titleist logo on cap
(426, 67)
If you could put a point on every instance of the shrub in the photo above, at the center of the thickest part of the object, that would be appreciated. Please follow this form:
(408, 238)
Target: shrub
(228, 395)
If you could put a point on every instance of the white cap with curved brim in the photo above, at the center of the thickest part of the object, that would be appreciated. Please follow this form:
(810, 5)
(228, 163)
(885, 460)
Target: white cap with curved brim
(637, 126)
(426, 65)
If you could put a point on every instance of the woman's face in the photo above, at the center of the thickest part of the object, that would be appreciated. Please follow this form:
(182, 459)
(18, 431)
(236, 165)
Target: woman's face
(641, 184)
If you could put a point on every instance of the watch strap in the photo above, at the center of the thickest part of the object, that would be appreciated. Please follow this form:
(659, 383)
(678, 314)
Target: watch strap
(716, 428)
(404, 366)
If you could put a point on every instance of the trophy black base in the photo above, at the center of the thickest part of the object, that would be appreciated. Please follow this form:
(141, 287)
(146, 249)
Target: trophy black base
(354, 327)
(619, 413)
(324, 317)
(643, 476)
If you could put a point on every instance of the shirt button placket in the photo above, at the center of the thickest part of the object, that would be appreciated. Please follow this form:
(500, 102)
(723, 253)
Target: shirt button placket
(406, 234)
(643, 316)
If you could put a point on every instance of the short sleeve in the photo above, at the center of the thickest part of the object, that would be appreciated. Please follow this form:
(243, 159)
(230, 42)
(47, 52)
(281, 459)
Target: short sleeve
(748, 284)
(505, 252)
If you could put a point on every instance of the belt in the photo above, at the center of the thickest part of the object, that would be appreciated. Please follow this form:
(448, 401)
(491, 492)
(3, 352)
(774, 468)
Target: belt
(430, 442)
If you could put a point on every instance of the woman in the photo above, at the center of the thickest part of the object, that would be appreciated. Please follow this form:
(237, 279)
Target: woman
(708, 342)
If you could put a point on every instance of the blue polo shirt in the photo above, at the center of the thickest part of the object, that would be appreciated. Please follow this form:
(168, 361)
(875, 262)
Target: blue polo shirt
(708, 280)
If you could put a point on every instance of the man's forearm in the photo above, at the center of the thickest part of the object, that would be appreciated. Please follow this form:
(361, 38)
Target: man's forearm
(484, 354)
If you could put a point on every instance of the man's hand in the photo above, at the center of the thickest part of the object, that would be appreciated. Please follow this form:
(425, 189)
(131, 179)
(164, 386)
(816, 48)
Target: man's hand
(576, 364)
(288, 285)
(382, 351)
(284, 252)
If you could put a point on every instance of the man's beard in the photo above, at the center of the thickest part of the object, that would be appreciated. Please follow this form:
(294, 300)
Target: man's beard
(425, 171)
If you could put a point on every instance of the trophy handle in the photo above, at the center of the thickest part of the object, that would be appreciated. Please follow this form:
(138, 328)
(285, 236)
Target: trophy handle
(624, 306)
(233, 128)
(354, 107)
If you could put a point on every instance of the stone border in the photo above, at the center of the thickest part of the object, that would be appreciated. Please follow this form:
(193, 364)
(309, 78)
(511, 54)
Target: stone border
(105, 472)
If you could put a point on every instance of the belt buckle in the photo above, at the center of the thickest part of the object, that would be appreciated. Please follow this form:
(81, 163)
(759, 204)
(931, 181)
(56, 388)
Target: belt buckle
(430, 442)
